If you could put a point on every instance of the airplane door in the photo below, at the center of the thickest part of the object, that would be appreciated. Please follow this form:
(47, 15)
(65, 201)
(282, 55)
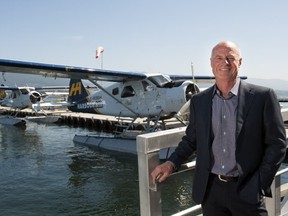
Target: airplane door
(151, 99)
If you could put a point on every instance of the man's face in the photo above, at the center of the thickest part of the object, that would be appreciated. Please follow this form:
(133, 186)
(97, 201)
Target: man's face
(225, 62)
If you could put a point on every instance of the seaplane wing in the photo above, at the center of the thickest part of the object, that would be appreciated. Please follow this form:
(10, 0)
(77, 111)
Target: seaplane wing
(51, 70)
(61, 71)
(34, 88)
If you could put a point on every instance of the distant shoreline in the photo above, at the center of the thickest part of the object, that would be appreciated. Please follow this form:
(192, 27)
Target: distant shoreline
(36, 80)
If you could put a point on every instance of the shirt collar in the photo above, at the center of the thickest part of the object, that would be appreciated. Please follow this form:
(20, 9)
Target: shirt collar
(234, 89)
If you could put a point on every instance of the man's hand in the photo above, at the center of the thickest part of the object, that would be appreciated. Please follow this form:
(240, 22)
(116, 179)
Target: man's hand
(161, 172)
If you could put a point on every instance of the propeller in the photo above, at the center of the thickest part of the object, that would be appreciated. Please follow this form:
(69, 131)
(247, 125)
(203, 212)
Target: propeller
(191, 90)
(183, 112)
(35, 97)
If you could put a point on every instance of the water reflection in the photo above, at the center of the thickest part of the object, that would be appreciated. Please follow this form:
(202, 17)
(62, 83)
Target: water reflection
(110, 177)
(18, 142)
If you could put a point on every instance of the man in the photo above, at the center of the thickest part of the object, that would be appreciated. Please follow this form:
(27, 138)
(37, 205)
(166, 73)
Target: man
(238, 133)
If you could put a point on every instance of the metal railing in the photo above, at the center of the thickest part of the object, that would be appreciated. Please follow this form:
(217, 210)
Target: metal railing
(148, 148)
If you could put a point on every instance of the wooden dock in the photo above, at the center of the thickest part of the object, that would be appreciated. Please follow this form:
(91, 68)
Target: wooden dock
(97, 122)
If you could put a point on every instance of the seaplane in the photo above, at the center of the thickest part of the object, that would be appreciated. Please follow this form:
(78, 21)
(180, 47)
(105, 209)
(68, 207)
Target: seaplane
(26, 97)
(18, 98)
(155, 97)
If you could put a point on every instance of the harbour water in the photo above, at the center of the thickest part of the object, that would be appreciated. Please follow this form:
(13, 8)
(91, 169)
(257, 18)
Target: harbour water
(43, 172)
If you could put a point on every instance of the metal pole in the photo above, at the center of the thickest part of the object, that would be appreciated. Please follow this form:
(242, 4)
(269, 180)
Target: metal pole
(102, 60)
(192, 70)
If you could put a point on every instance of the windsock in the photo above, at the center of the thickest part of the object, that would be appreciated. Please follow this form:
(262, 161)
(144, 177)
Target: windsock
(99, 51)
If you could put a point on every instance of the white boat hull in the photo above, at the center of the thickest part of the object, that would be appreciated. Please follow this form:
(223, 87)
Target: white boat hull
(44, 119)
(115, 144)
(10, 120)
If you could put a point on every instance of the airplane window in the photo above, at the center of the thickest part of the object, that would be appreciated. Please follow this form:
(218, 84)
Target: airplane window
(24, 91)
(128, 91)
(161, 81)
(115, 91)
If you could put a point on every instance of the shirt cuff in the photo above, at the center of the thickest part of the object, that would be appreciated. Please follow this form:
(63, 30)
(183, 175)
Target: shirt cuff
(174, 166)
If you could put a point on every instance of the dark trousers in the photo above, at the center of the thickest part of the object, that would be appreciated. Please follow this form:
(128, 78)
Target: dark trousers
(221, 199)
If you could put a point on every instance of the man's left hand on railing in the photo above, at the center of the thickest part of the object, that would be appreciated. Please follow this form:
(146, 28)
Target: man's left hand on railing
(162, 171)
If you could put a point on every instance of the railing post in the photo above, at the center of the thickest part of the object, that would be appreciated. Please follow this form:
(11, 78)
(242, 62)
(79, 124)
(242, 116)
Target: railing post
(273, 204)
(150, 200)
(148, 149)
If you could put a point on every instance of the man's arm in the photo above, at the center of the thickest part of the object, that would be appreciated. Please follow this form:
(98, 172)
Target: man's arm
(275, 141)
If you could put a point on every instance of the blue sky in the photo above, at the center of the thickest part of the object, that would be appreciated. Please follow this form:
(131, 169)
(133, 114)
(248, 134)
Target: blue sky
(147, 36)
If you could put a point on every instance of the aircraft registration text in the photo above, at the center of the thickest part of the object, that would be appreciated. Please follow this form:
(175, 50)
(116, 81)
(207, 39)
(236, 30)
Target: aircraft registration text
(89, 105)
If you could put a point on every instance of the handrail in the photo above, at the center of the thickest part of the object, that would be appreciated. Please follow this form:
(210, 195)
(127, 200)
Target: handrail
(274, 204)
(148, 148)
